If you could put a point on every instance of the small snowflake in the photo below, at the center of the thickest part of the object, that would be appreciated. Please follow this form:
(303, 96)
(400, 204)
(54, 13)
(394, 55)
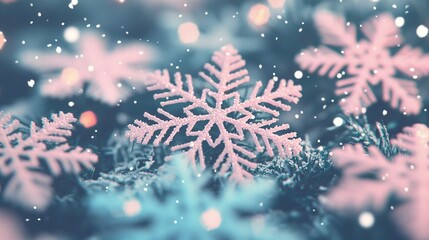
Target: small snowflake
(370, 179)
(108, 75)
(368, 62)
(219, 116)
(22, 159)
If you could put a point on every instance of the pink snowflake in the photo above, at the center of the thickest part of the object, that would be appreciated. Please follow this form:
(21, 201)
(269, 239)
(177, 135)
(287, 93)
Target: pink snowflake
(367, 62)
(370, 179)
(221, 111)
(109, 75)
(22, 158)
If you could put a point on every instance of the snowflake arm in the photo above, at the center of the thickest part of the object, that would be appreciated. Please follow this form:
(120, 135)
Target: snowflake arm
(323, 59)
(382, 31)
(377, 178)
(226, 74)
(21, 158)
(366, 63)
(412, 62)
(334, 30)
(109, 75)
(358, 95)
(401, 94)
(355, 163)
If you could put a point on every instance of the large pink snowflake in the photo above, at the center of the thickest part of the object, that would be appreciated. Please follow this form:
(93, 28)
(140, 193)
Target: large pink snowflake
(367, 63)
(110, 76)
(370, 179)
(22, 158)
(220, 117)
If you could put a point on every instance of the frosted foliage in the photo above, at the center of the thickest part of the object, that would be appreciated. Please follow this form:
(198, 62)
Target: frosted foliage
(22, 158)
(367, 62)
(109, 76)
(231, 120)
(189, 210)
(370, 179)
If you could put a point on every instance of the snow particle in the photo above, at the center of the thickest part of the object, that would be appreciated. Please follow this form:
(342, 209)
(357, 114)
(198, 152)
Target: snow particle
(422, 31)
(298, 74)
(31, 83)
(338, 121)
(73, 3)
(366, 219)
(71, 34)
(399, 21)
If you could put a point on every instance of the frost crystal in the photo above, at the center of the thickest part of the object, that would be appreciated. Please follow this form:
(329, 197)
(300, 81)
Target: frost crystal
(368, 62)
(219, 116)
(23, 159)
(108, 75)
(370, 179)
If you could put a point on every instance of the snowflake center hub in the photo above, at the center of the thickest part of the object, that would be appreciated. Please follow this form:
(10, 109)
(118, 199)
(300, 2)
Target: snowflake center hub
(372, 62)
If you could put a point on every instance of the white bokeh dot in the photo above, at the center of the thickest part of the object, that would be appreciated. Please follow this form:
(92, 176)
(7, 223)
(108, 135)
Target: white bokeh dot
(338, 121)
(366, 219)
(71, 34)
(422, 31)
(298, 74)
(399, 21)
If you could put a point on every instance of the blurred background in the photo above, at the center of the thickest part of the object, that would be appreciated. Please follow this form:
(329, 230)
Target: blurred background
(40, 40)
(181, 35)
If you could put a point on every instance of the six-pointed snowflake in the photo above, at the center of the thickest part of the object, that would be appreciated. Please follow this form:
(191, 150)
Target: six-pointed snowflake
(220, 117)
(370, 179)
(109, 76)
(367, 62)
(22, 159)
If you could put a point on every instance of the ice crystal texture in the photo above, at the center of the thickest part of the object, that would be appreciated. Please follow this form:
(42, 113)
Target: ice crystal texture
(190, 210)
(29, 161)
(220, 117)
(370, 179)
(367, 63)
(108, 76)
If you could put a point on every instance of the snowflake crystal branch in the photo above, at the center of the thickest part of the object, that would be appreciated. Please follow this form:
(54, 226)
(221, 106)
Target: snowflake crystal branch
(370, 179)
(21, 159)
(367, 62)
(227, 74)
(109, 75)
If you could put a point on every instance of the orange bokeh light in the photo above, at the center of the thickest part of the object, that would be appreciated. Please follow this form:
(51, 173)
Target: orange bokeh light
(259, 14)
(276, 3)
(70, 75)
(88, 119)
(211, 219)
(2, 40)
(188, 32)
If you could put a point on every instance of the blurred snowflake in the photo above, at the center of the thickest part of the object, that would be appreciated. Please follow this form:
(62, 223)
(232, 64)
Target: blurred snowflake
(367, 62)
(27, 162)
(187, 209)
(220, 117)
(370, 179)
(108, 76)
